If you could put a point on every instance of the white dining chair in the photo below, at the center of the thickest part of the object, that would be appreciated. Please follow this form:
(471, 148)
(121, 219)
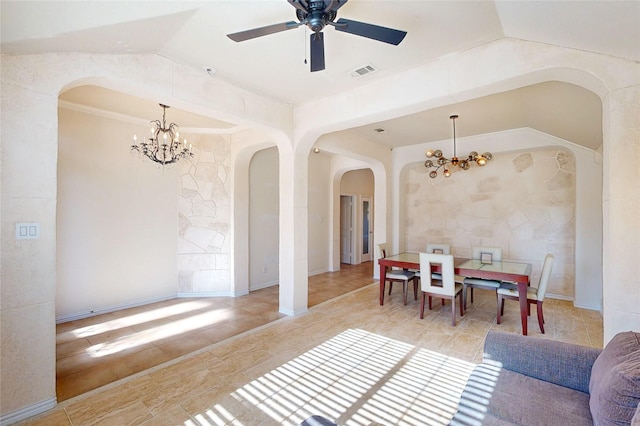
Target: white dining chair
(481, 253)
(397, 275)
(446, 288)
(436, 248)
(534, 294)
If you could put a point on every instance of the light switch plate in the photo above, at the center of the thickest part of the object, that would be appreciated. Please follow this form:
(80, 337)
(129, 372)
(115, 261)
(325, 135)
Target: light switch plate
(27, 231)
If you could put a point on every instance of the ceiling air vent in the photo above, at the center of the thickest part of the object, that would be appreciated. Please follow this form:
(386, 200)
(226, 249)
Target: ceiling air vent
(362, 71)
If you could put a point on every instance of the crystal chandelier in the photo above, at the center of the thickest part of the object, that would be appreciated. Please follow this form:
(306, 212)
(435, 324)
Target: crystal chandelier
(441, 162)
(164, 145)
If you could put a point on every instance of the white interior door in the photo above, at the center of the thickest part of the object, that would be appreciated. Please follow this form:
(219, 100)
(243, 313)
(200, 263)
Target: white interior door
(367, 229)
(346, 228)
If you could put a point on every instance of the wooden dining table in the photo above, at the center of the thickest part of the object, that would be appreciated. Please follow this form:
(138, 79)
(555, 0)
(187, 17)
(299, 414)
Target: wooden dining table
(516, 272)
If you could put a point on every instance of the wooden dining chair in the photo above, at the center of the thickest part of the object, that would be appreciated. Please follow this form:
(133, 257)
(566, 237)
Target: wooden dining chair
(534, 294)
(397, 275)
(446, 288)
(477, 253)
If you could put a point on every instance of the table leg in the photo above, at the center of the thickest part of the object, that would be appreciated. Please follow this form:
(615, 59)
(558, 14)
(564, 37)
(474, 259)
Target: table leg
(524, 306)
(383, 278)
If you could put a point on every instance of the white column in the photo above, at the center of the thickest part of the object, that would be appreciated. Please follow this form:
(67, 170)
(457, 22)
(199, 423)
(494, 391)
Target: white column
(293, 233)
(621, 211)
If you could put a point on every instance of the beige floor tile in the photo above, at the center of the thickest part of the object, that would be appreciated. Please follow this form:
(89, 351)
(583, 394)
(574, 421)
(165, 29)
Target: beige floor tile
(169, 417)
(55, 418)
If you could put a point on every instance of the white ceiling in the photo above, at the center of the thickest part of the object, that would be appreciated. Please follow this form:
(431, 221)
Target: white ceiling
(194, 33)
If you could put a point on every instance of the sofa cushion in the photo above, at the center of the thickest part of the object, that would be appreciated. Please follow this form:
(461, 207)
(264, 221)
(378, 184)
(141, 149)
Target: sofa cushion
(615, 381)
(497, 396)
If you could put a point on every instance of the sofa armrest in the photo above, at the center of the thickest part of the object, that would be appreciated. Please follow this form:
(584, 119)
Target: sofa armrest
(560, 363)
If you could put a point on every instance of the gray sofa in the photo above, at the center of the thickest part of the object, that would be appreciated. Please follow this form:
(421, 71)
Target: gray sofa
(532, 381)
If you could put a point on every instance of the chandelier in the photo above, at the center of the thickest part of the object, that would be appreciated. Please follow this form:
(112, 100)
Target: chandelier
(441, 162)
(164, 145)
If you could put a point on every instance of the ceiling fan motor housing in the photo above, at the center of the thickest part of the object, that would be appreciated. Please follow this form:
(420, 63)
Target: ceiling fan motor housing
(316, 17)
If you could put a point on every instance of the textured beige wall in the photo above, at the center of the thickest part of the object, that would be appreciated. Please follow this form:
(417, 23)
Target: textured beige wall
(522, 202)
(264, 199)
(204, 217)
(116, 219)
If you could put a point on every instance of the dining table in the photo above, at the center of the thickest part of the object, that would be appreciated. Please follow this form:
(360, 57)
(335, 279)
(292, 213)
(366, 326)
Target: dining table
(518, 273)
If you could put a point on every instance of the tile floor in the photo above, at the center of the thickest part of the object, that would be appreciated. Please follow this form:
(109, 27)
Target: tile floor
(288, 368)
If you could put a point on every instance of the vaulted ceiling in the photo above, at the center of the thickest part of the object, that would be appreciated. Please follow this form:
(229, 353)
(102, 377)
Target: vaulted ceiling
(194, 33)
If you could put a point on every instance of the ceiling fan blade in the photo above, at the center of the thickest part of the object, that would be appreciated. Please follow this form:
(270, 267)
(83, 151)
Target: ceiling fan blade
(263, 31)
(317, 51)
(375, 32)
(334, 5)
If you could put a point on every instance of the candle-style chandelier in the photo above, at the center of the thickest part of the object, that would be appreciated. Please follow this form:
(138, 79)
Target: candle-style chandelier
(441, 162)
(164, 145)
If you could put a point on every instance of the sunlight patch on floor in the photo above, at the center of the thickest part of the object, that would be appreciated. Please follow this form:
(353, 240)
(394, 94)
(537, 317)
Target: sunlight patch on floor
(140, 318)
(160, 332)
(355, 378)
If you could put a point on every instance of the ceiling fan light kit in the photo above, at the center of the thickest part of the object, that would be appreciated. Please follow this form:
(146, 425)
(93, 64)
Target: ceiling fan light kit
(441, 162)
(316, 15)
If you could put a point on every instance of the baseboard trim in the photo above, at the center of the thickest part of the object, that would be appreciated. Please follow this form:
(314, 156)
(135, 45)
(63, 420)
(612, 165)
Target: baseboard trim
(263, 285)
(588, 307)
(93, 313)
(575, 304)
(28, 411)
(204, 294)
(319, 271)
(559, 297)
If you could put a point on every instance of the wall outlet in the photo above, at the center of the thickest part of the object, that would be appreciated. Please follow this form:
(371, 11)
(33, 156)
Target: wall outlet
(27, 231)
(264, 269)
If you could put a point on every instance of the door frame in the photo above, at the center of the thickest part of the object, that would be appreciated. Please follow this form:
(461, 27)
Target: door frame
(351, 235)
(369, 256)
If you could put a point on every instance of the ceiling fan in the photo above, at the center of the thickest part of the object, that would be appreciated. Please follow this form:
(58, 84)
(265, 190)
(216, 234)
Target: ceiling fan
(316, 15)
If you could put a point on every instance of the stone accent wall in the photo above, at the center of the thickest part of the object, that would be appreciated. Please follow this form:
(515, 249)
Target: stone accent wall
(204, 218)
(523, 202)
